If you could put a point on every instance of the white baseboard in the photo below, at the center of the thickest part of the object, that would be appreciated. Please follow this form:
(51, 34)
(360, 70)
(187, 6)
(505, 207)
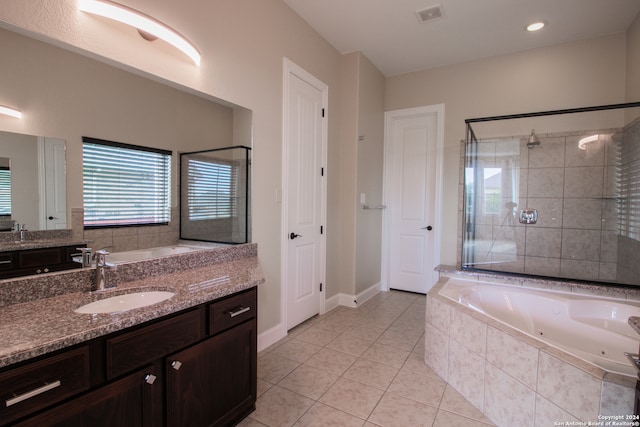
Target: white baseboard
(332, 302)
(350, 300)
(271, 336)
(371, 291)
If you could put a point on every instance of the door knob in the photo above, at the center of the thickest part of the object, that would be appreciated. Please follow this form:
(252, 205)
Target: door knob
(294, 235)
(428, 227)
(52, 217)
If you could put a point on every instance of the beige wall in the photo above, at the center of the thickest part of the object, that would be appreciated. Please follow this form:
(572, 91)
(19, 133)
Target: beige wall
(348, 161)
(67, 96)
(633, 61)
(585, 73)
(370, 152)
(243, 43)
(362, 114)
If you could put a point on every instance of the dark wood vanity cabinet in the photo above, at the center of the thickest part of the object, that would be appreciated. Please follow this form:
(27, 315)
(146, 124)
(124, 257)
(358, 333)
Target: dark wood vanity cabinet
(26, 262)
(129, 401)
(213, 383)
(195, 368)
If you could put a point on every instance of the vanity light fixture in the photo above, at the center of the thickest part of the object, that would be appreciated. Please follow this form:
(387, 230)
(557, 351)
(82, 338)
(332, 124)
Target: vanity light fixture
(535, 26)
(149, 28)
(8, 111)
(582, 144)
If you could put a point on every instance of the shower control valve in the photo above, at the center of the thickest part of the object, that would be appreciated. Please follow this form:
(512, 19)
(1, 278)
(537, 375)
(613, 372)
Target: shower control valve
(528, 216)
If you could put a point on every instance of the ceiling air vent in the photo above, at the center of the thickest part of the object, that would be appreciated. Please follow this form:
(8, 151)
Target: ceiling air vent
(429, 14)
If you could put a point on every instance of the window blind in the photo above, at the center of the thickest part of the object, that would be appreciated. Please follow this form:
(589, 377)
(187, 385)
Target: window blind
(5, 191)
(212, 188)
(125, 184)
(629, 183)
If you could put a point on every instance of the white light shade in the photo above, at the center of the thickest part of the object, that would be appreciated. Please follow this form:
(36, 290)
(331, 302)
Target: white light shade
(582, 144)
(8, 111)
(142, 22)
(536, 26)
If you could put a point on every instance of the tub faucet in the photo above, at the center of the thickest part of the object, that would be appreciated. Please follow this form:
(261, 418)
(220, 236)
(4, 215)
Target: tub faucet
(85, 255)
(101, 270)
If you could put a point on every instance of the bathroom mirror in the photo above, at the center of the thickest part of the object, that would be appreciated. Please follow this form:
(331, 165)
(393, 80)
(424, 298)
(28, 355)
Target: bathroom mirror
(70, 95)
(32, 182)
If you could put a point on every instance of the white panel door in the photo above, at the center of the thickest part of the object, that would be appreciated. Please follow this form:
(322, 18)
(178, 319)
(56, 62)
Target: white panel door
(411, 201)
(55, 214)
(304, 200)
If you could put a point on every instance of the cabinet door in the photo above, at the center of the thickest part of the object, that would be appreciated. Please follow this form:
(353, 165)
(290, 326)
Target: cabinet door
(130, 401)
(214, 382)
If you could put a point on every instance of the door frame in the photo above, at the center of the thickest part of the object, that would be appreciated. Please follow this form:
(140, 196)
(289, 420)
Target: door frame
(292, 69)
(389, 116)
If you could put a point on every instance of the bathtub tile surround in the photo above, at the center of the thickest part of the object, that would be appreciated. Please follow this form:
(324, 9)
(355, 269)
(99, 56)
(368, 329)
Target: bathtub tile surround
(517, 379)
(473, 333)
(437, 350)
(507, 401)
(523, 361)
(127, 238)
(570, 388)
(467, 373)
(547, 413)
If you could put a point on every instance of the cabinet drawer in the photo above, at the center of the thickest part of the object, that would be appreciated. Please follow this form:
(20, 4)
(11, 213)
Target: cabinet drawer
(232, 311)
(40, 384)
(6, 261)
(131, 350)
(39, 257)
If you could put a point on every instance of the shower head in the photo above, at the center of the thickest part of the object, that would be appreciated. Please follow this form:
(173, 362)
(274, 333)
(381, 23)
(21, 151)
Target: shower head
(533, 139)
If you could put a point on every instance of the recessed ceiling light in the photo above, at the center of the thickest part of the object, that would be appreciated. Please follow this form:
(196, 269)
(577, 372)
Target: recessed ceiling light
(536, 26)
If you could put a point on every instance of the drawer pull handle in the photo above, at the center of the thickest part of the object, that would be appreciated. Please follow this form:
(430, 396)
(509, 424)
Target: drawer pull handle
(33, 393)
(239, 311)
(150, 378)
(6, 262)
(176, 364)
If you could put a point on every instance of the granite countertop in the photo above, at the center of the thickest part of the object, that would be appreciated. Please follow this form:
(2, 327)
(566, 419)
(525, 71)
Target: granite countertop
(39, 326)
(37, 244)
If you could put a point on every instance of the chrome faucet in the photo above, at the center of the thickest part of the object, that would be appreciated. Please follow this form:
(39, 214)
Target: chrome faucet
(101, 270)
(86, 256)
(20, 228)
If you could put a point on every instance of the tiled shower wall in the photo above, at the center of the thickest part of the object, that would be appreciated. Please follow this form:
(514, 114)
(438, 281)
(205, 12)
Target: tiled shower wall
(574, 193)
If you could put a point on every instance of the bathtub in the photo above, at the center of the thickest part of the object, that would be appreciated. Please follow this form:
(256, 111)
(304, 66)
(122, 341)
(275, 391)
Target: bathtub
(519, 351)
(151, 253)
(592, 328)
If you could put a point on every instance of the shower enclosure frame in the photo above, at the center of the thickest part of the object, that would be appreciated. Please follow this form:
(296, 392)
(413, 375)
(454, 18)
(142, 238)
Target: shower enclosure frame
(471, 136)
(246, 200)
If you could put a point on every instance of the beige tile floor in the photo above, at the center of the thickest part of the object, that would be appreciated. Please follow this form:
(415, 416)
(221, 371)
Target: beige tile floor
(358, 367)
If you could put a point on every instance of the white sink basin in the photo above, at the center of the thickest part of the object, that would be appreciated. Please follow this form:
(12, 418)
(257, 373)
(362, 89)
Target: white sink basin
(124, 302)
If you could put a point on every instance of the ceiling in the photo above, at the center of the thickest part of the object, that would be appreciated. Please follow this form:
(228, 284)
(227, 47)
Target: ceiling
(389, 34)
